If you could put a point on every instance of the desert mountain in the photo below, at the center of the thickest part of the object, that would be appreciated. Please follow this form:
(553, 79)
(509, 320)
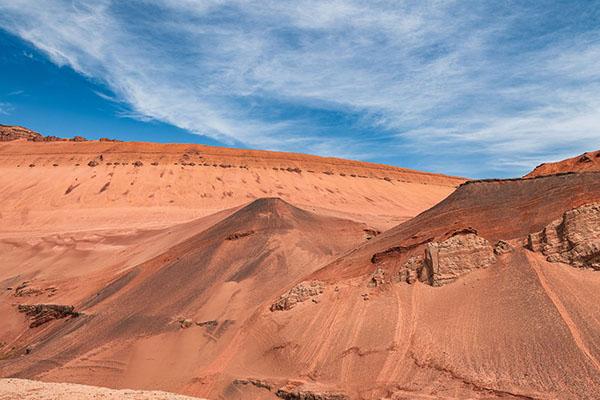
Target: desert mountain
(65, 186)
(231, 274)
(459, 302)
(455, 303)
(589, 161)
(185, 307)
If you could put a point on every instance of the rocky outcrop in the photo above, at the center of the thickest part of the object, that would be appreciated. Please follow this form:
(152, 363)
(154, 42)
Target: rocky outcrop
(410, 271)
(290, 392)
(298, 294)
(370, 233)
(8, 133)
(26, 290)
(39, 314)
(395, 251)
(378, 278)
(444, 262)
(573, 239)
(185, 323)
(502, 247)
(294, 390)
(259, 383)
(456, 256)
(239, 235)
(209, 325)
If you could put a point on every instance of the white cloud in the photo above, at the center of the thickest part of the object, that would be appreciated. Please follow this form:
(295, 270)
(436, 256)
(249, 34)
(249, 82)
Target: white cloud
(5, 108)
(423, 73)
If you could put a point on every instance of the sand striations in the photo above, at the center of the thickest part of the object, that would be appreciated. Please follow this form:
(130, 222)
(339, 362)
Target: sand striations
(186, 308)
(589, 161)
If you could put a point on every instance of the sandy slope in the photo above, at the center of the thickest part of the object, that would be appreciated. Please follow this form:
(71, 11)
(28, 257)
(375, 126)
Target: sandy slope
(175, 269)
(49, 187)
(131, 328)
(522, 328)
(589, 161)
(22, 389)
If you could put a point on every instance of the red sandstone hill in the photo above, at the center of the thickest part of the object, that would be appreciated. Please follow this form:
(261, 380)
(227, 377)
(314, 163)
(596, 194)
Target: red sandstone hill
(63, 186)
(134, 270)
(434, 308)
(455, 304)
(10, 132)
(589, 161)
(186, 307)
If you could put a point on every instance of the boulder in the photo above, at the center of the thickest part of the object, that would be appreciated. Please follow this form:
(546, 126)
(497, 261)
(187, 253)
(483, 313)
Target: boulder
(572, 239)
(456, 256)
(502, 247)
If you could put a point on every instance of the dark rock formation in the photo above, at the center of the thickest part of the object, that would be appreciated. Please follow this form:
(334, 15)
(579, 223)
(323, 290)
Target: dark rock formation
(290, 392)
(39, 314)
(395, 251)
(370, 233)
(185, 323)
(573, 239)
(259, 383)
(26, 290)
(8, 133)
(208, 325)
(502, 247)
(239, 235)
(299, 293)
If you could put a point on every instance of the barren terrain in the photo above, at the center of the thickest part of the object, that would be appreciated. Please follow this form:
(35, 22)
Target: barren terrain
(236, 274)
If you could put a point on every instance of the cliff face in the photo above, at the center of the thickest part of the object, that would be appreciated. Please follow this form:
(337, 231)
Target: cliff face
(573, 239)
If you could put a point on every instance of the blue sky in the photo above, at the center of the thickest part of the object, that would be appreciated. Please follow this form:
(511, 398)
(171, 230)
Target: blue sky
(472, 88)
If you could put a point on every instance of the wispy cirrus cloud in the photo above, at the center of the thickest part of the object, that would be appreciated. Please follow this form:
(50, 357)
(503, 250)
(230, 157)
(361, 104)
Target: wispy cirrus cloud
(499, 85)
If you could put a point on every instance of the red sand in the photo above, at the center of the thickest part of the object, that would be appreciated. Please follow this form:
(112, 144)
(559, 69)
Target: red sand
(173, 303)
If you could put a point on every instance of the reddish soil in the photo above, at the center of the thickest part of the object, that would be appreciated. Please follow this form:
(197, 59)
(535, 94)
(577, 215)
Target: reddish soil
(292, 294)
